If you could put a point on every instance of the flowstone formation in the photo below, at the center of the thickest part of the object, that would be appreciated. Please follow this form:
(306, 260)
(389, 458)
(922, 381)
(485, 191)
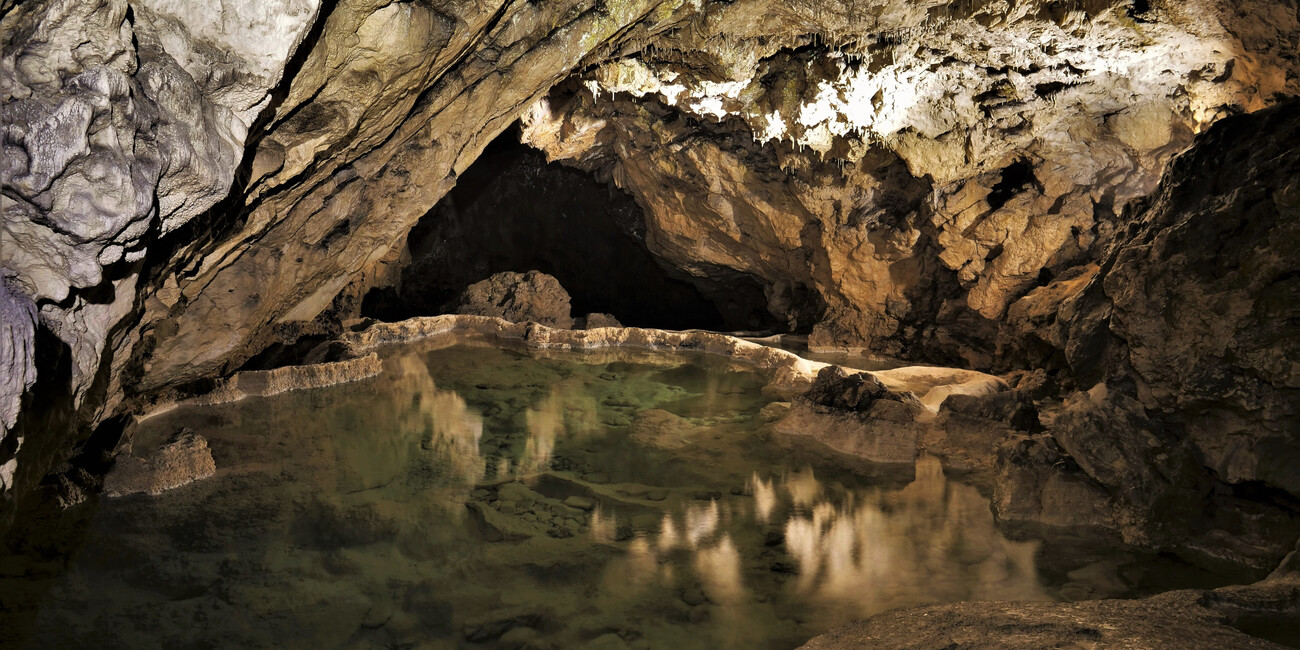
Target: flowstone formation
(952, 183)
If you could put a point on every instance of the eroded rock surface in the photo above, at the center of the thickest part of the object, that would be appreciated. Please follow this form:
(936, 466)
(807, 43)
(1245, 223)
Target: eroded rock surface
(906, 177)
(17, 350)
(1188, 329)
(121, 122)
(519, 297)
(1198, 314)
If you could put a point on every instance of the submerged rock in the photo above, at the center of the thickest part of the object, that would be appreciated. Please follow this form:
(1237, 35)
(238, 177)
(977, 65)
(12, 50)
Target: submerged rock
(581, 502)
(663, 430)
(519, 297)
(182, 460)
(886, 433)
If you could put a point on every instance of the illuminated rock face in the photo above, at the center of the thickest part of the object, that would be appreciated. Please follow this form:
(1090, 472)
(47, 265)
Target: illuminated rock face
(122, 122)
(901, 191)
(913, 178)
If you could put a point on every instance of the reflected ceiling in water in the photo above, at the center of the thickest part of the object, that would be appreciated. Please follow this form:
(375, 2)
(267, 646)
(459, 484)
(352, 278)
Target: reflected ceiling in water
(474, 495)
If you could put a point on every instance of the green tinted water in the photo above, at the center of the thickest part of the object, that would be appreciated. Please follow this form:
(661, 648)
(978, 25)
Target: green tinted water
(476, 497)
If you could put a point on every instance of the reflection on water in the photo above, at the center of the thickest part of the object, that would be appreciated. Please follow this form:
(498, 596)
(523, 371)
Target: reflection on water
(856, 552)
(932, 540)
(478, 497)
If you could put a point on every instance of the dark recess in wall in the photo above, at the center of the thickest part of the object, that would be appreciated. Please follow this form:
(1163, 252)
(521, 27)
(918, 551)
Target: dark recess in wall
(513, 211)
(1015, 178)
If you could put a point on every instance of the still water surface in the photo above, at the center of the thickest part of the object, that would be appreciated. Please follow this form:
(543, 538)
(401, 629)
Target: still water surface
(478, 497)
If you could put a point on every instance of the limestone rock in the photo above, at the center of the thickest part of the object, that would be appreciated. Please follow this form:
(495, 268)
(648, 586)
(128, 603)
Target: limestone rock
(969, 430)
(519, 297)
(17, 352)
(601, 320)
(1198, 310)
(837, 388)
(182, 460)
(903, 192)
(934, 385)
(1036, 482)
(391, 104)
(109, 107)
(856, 414)
(121, 122)
(958, 184)
(1156, 478)
(1231, 617)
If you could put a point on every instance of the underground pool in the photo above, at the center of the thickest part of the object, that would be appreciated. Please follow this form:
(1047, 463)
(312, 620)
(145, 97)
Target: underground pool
(476, 495)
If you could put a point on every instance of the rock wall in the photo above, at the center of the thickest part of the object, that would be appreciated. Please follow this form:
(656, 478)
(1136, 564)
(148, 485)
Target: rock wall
(1184, 340)
(121, 123)
(1194, 320)
(907, 174)
(1197, 313)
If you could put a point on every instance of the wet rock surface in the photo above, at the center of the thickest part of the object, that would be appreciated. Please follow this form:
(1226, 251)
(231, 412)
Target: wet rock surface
(185, 458)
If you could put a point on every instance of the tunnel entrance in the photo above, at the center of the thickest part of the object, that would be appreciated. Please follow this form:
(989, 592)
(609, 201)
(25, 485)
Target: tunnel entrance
(514, 211)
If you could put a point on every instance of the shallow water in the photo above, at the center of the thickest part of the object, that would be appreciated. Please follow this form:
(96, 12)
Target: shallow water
(474, 496)
(855, 360)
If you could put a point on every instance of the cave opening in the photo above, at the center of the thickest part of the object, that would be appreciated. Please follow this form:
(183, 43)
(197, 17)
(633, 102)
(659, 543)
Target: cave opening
(513, 211)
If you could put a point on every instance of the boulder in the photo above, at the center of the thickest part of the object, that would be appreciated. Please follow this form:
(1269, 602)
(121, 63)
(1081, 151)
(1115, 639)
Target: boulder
(837, 388)
(519, 297)
(601, 320)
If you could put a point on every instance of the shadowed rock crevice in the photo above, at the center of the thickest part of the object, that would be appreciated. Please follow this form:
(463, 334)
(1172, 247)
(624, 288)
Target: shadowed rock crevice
(1015, 177)
(513, 211)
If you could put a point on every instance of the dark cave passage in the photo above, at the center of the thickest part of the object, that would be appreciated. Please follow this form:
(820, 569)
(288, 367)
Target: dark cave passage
(513, 211)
